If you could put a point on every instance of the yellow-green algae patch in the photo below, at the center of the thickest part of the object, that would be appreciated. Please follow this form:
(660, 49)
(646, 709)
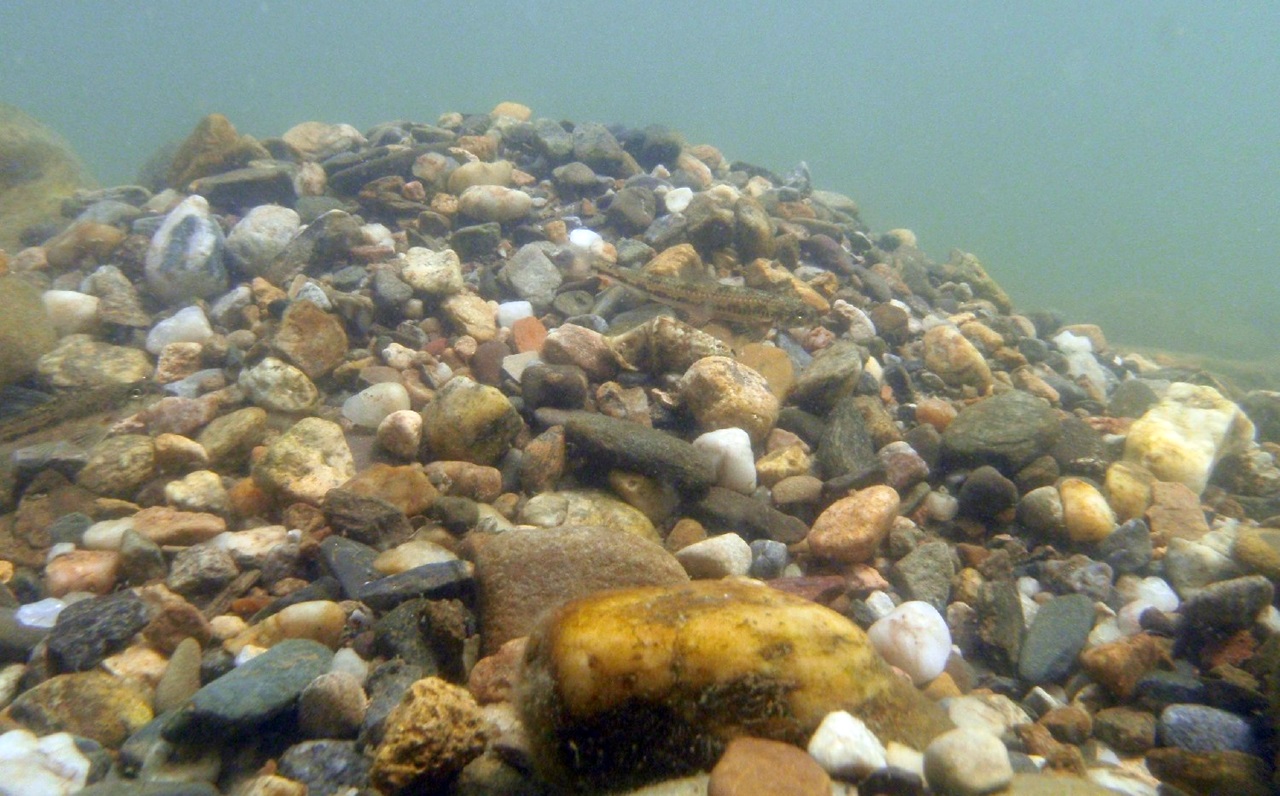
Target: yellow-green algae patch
(629, 686)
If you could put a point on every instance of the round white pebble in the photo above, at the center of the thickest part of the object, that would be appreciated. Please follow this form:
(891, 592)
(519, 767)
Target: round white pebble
(678, 199)
(187, 325)
(585, 238)
(511, 311)
(718, 557)
(369, 406)
(915, 638)
(735, 463)
(70, 311)
(964, 762)
(845, 748)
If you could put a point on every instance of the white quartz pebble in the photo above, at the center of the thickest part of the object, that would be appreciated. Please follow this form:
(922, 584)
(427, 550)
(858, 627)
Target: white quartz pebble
(913, 637)
(511, 311)
(585, 238)
(41, 613)
(50, 766)
(677, 199)
(371, 405)
(881, 604)
(187, 325)
(718, 557)
(965, 762)
(70, 311)
(845, 748)
(735, 463)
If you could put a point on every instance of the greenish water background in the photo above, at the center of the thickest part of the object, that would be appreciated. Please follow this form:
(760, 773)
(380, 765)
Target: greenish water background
(1119, 161)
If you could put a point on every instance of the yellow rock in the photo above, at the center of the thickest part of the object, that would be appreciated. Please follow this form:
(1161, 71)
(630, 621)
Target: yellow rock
(629, 686)
(431, 735)
(93, 704)
(783, 463)
(1085, 512)
(1129, 489)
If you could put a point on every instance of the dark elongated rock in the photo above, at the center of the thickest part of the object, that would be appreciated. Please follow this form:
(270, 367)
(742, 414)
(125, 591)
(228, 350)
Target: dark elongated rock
(605, 442)
(723, 510)
(250, 694)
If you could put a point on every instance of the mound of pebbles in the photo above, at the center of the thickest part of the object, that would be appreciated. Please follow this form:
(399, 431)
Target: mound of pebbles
(399, 417)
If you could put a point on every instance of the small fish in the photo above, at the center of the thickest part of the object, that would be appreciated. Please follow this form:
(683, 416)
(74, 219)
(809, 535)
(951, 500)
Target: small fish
(737, 304)
(66, 406)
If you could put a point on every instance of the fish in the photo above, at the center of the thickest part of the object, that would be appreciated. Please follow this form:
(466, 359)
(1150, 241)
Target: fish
(736, 304)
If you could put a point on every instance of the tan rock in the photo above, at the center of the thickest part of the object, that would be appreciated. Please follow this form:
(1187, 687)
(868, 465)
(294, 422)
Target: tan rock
(311, 339)
(569, 344)
(201, 490)
(956, 360)
(94, 571)
(760, 767)
(472, 315)
(430, 736)
(169, 526)
(1258, 549)
(783, 463)
(318, 620)
(723, 393)
(213, 147)
(400, 434)
(851, 529)
(773, 364)
(469, 422)
(229, 438)
(1119, 665)
(1175, 512)
(118, 466)
(522, 572)
(588, 507)
(305, 462)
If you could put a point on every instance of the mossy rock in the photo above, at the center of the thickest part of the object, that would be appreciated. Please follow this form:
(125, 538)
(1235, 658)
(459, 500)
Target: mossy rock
(37, 171)
(26, 333)
(633, 686)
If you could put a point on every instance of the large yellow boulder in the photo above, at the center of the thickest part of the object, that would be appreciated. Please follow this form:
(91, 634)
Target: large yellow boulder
(627, 687)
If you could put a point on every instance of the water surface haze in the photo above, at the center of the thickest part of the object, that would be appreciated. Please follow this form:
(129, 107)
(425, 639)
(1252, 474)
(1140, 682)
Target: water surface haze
(1116, 161)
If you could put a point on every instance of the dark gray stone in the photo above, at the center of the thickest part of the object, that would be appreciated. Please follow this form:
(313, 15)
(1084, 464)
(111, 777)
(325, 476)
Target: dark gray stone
(846, 449)
(251, 694)
(560, 386)
(985, 494)
(1000, 624)
(241, 190)
(324, 243)
(768, 559)
(476, 241)
(366, 519)
(632, 209)
(723, 510)
(1200, 728)
(595, 146)
(350, 562)
(606, 443)
(16, 639)
(832, 375)
(925, 574)
(89, 630)
(442, 579)
(1006, 431)
(1127, 550)
(1055, 638)
(1079, 574)
(386, 686)
(327, 767)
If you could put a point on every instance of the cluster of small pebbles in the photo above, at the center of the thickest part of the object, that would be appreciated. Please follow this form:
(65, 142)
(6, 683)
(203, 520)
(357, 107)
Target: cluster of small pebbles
(409, 497)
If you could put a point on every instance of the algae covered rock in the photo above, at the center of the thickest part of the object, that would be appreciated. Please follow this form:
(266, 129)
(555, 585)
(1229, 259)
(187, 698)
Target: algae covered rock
(630, 686)
(26, 332)
(37, 171)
